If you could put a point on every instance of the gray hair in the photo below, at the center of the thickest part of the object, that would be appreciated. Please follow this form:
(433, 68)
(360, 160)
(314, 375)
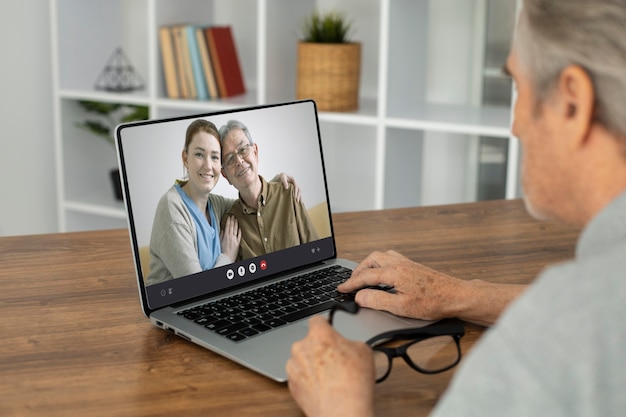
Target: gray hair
(234, 124)
(553, 34)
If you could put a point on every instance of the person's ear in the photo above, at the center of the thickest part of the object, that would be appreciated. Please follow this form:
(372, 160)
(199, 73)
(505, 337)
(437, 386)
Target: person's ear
(576, 103)
(226, 176)
(255, 149)
(184, 158)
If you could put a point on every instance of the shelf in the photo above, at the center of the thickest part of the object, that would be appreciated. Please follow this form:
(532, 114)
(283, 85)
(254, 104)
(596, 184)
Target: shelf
(495, 72)
(97, 209)
(137, 97)
(243, 100)
(427, 69)
(366, 114)
(486, 120)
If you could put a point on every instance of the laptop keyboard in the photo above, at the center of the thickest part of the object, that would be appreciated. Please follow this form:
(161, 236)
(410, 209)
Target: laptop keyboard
(256, 311)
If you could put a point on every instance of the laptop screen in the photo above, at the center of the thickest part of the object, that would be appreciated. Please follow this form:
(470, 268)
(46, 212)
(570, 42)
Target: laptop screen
(163, 221)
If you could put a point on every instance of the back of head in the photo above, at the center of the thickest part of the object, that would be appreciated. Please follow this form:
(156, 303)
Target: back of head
(553, 34)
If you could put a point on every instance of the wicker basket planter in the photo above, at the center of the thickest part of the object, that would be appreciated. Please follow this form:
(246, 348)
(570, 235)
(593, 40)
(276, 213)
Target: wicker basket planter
(329, 73)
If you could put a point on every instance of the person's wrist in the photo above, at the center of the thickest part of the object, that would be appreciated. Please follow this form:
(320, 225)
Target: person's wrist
(354, 407)
(463, 298)
(475, 302)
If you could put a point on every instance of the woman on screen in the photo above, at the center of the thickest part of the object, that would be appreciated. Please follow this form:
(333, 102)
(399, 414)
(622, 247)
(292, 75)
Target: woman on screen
(185, 234)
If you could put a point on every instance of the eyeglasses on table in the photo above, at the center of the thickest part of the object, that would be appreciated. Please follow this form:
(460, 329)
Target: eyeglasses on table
(430, 349)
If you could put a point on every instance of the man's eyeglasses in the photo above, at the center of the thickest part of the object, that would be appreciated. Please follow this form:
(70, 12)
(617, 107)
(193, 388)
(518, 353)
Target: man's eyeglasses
(231, 158)
(429, 350)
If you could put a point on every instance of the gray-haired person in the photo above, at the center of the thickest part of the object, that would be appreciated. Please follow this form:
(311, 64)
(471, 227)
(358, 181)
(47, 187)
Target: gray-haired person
(558, 348)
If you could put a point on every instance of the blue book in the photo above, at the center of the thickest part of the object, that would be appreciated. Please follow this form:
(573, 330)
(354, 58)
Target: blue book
(196, 64)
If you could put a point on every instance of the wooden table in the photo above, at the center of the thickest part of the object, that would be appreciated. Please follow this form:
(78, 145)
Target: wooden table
(75, 342)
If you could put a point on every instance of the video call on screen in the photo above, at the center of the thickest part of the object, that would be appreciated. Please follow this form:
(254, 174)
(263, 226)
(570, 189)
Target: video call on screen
(288, 142)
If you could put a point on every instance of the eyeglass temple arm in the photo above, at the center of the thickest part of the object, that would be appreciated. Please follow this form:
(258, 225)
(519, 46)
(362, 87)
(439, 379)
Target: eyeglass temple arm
(348, 306)
(418, 333)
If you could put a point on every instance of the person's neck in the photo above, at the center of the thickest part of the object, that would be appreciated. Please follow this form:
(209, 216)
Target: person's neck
(600, 176)
(250, 195)
(200, 200)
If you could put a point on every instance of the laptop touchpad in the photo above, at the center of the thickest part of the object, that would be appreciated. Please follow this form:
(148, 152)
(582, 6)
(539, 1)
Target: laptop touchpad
(368, 323)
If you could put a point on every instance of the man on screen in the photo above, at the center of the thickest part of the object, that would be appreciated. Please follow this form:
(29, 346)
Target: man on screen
(270, 217)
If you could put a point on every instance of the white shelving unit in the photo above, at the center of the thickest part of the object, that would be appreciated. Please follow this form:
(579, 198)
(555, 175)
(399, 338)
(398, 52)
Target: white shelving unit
(413, 140)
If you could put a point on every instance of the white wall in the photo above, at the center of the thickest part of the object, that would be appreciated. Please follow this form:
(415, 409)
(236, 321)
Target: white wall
(28, 202)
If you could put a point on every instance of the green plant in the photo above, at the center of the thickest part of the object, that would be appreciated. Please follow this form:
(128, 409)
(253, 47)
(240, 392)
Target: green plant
(331, 27)
(109, 116)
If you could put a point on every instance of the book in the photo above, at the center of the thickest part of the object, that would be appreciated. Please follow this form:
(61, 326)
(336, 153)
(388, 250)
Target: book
(184, 58)
(169, 62)
(225, 61)
(191, 84)
(180, 67)
(196, 64)
(207, 66)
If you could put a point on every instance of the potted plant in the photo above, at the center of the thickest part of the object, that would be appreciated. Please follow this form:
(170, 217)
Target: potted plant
(329, 64)
(107, 117)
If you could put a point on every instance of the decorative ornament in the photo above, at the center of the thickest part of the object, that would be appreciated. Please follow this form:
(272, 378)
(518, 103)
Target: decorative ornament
(118, 75)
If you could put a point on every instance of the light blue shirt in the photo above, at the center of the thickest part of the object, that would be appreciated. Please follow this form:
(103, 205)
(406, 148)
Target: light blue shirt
(207, 235)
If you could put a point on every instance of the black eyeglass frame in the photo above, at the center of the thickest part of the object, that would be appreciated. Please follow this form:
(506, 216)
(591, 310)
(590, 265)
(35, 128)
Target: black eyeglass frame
(243, 152)
(451, 327)
(415, 335)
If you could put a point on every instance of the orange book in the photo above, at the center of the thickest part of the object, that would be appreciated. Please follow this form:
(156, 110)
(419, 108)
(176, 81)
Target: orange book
(169, 62)
(180, 67)
(207, 66)
(225, 60)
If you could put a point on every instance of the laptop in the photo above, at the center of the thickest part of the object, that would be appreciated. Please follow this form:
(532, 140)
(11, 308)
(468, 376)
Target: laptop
(252, 310)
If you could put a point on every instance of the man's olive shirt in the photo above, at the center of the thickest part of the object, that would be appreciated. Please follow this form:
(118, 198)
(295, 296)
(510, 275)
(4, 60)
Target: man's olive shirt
(280, 222)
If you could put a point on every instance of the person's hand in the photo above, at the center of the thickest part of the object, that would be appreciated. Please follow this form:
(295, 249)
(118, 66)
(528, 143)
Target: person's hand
(230, 237)
(419, 292)
(286, 180)
(329, 375)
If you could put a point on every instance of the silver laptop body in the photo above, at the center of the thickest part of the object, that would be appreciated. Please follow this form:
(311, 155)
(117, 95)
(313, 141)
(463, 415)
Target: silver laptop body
(288, 136)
